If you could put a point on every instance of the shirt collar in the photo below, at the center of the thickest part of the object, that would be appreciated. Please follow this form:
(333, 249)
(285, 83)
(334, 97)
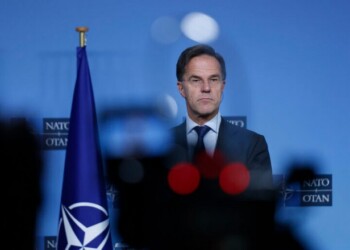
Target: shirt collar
(214, 123)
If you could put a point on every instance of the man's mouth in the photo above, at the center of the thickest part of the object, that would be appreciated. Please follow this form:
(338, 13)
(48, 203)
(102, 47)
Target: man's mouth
(205, 99)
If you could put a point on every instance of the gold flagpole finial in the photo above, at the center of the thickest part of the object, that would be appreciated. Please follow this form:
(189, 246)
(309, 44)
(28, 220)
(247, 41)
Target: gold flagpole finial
(82, 39)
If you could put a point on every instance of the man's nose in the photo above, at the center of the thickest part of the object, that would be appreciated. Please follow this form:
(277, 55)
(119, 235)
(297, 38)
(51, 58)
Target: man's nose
(206, 85)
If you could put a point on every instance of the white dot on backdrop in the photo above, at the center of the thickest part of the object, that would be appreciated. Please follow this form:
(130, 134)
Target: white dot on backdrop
(172, 105)
(200, 27)
(167, 106)
(165, 30)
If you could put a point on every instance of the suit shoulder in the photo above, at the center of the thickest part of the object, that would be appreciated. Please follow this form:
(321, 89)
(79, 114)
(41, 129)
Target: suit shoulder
(231, 128)
(178, 127)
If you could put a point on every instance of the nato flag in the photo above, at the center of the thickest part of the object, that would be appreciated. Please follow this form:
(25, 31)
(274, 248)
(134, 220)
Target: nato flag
(84, 218)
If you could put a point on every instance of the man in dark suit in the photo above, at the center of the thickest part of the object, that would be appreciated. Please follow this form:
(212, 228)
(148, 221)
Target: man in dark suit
(233, 205)
(201, 75)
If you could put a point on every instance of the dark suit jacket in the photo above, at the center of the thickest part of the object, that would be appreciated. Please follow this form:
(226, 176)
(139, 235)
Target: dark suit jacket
(151, 215)
(236, 144)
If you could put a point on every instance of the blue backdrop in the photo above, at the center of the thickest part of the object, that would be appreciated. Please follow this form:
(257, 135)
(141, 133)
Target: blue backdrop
(288, 66)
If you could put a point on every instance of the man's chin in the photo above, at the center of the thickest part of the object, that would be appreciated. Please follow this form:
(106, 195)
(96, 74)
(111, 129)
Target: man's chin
(206, 113)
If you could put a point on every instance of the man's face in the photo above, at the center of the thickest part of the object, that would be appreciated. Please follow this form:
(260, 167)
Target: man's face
(202, 87)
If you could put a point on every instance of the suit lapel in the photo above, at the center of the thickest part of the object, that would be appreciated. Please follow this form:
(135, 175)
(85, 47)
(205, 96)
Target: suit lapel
(180, 138)
(226, 140)
(220, 144)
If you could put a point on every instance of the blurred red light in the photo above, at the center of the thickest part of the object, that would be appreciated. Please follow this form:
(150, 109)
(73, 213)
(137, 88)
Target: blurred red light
(234, 178)
(183, 178)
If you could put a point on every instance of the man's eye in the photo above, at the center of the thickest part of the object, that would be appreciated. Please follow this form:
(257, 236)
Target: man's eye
(195, 80)
(214, 79)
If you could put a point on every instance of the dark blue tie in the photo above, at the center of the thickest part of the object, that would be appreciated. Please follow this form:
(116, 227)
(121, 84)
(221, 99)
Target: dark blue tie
(201, 131)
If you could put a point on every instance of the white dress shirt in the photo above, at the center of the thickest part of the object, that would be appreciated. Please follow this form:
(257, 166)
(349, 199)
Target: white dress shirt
(210, 138)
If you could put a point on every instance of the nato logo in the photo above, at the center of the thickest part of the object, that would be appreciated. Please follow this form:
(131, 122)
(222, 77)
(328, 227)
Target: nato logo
(79, 227)
(50, 242)
(316, 191)
(240, 121)
(55, 133)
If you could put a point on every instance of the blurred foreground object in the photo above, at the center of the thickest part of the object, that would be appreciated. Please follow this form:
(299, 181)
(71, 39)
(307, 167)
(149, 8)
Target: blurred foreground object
(164, 202)
(21, 166)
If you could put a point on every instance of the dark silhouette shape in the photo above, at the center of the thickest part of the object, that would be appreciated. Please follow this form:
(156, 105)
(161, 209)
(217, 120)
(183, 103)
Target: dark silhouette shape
(21, 166)
(151, 216)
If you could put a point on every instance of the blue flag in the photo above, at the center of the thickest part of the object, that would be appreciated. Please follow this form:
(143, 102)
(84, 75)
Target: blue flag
(84, 218)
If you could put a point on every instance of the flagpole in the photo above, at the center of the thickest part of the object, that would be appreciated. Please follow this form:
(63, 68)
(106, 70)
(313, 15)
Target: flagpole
(84, 217)
(82, 38)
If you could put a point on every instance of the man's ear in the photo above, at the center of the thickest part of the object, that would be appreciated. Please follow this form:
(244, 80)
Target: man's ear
(181, 89)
